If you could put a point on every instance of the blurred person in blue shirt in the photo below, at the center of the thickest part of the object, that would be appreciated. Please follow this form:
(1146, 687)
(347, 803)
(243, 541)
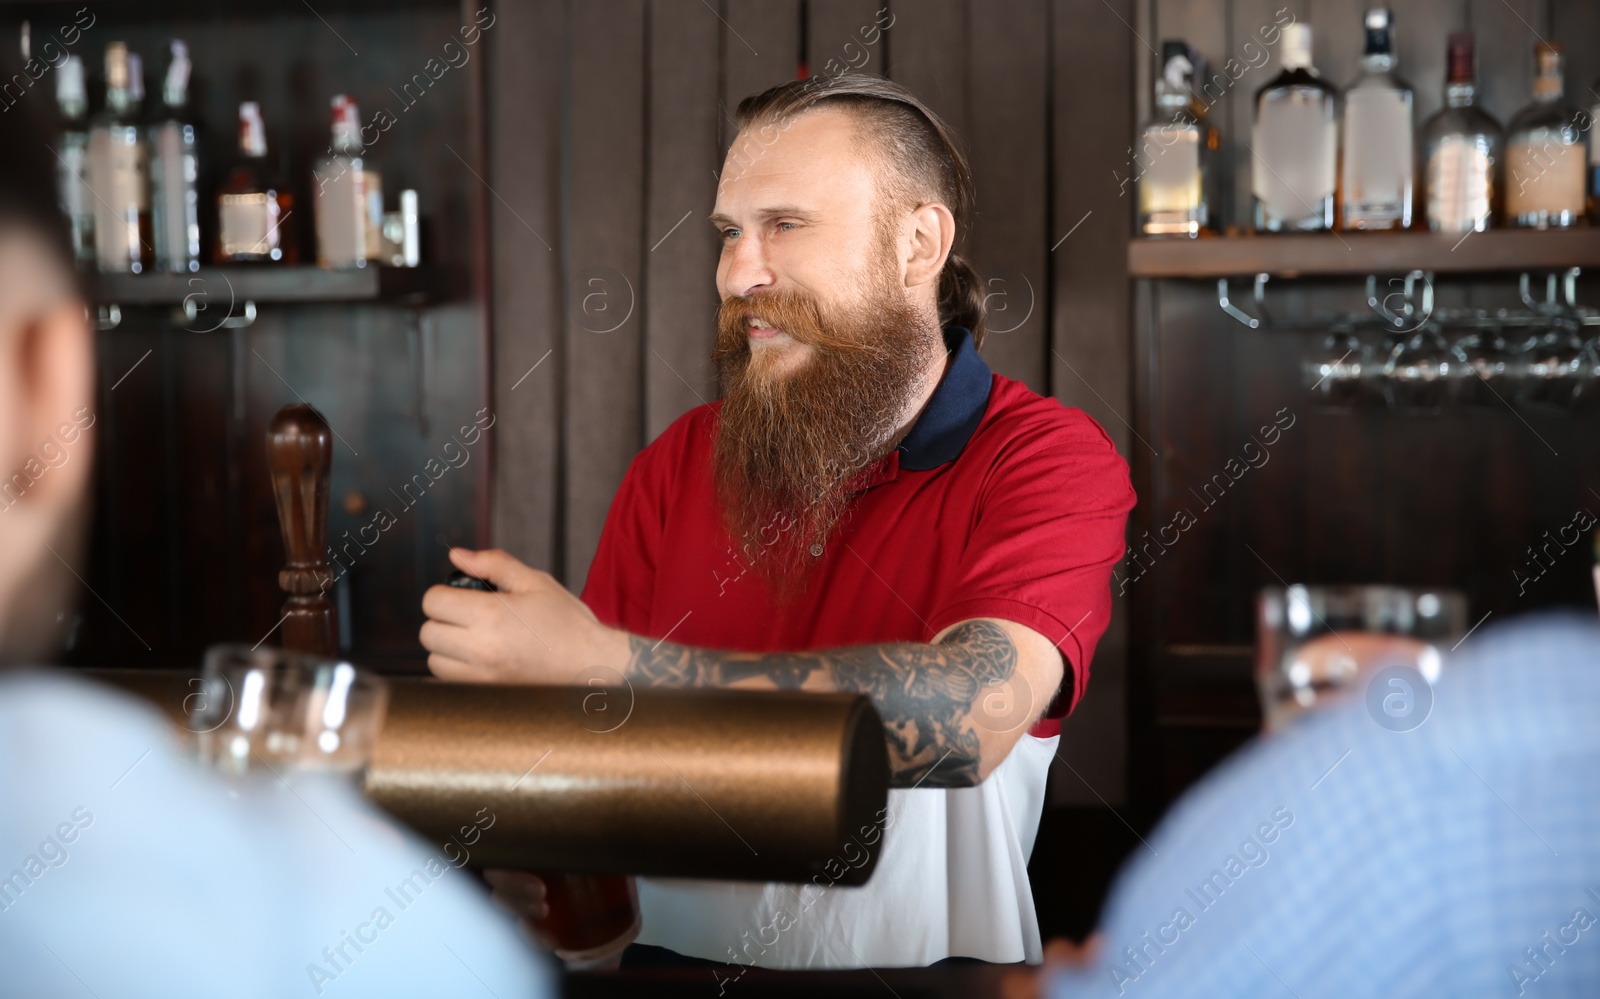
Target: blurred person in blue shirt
(1442, 842)
(125, 869)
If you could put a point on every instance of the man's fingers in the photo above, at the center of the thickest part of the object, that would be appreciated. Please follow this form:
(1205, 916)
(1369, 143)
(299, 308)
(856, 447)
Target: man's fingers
(454, 605)
(448, 640)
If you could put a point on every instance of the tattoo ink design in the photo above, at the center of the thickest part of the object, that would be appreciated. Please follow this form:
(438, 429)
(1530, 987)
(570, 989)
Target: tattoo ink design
(925, 693)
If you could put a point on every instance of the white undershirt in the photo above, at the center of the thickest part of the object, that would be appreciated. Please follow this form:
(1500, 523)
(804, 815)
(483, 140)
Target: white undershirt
(952, 880)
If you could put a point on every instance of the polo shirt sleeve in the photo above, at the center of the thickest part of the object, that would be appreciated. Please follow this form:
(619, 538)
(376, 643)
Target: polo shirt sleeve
(622, 576)
(1049, 527)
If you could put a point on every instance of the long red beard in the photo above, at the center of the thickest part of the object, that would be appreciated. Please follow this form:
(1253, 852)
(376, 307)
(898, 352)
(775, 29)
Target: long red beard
(789, 443)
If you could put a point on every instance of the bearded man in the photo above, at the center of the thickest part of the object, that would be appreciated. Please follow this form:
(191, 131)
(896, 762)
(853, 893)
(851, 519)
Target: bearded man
(867, 508)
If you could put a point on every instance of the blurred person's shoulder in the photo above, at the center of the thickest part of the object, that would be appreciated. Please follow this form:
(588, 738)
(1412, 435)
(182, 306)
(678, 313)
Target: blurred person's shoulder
(125, 859)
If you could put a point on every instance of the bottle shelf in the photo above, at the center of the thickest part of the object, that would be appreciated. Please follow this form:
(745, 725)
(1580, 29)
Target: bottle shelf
(1359, 253)
(264, 284)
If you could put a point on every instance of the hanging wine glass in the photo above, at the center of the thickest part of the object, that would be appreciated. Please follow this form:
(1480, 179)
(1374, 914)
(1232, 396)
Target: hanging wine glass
(1484, 362)
(1418, 371)
(1551, 369)
(1335, 370)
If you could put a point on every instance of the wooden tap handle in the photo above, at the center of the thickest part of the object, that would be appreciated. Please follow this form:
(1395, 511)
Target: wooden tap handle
(300, 458)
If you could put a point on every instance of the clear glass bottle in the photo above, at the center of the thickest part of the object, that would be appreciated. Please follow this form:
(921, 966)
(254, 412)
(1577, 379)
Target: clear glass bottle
(72, 167)
(1376, 173)
(1546, 159)
(117, 174)
(175, 172)
(1175, 154)
(1294, 143)
(1462, 151)
(253, 207)
(341, 192)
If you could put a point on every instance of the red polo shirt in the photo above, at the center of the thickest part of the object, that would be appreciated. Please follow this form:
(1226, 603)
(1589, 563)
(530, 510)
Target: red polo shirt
(998, 503)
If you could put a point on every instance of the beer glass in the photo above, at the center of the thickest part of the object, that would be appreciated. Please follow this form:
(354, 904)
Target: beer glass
(1316, 643)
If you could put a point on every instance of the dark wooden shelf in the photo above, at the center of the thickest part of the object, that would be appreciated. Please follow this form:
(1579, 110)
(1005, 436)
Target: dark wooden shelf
(1354, 253)
(269, 284)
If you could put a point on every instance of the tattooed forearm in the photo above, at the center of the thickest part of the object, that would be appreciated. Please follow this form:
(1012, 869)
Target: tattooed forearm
(925, 693)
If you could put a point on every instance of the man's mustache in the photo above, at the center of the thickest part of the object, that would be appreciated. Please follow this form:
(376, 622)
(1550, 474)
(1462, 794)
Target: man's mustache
(796, 314)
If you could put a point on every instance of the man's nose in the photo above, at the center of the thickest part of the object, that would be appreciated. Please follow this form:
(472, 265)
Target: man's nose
(748, 269)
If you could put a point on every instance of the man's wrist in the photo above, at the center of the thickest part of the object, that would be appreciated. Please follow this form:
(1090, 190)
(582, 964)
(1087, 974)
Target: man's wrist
(616, 650)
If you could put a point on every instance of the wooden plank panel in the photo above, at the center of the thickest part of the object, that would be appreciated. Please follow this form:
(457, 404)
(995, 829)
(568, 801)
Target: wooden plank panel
(603, 427)
(524, 150)
(1506, 31)
(680, 296)
(760, 49)
(928, 55)
(1577, 25)
(1088, 333)
(206, 554)
(844, 36)
(1010, 244)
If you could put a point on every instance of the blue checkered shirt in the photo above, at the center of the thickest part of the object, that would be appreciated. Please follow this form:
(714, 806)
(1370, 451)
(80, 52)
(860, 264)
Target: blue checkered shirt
(1341, 858)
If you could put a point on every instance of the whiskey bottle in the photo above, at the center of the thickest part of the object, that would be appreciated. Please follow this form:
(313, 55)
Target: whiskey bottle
(1376, 172)
(1294, 143)
(252, 205)
(1545, 153)
(1175, 155)
(117, 174)
(174, 172)
(72, 165)
(1462, 151)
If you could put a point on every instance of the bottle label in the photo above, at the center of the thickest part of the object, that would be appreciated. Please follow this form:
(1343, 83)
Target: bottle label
(1377, 151)
(1544, 175)
(341, 213)
(1169, 170)
(249, 225)
(1460, 184)
(115, 182)
(1295, 145)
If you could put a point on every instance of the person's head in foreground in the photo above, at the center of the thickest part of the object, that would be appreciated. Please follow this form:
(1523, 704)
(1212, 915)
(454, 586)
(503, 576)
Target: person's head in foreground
(125, 870)
(1443, 844)
(46, 400)
(837, 208)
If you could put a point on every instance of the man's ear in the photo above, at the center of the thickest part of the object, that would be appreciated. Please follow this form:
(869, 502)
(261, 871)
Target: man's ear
(53, 356)
(933, 233)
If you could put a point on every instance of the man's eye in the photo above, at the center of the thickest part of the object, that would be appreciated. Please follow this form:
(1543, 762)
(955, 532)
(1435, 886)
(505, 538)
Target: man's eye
(782, 224)
(727, 233)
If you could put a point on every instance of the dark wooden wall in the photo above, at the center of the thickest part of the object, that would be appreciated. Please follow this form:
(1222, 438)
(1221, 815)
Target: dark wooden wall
(608, 123)
(1367, 495)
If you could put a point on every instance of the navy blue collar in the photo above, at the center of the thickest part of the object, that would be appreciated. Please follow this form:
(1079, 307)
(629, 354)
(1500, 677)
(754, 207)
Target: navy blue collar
(954, 410)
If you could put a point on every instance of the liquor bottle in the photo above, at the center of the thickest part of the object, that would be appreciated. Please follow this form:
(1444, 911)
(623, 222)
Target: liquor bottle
(1545, 155)
(116, 174)
(1295, 143)
(1594, 160)
(1462, 151)
(174, 172)
(252, 206)
(1175, 158)
(1376, 172)
(341, 192)
(72, 167)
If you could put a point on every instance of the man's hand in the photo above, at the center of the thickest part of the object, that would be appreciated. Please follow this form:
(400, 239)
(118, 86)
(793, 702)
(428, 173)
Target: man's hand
(532, 631)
